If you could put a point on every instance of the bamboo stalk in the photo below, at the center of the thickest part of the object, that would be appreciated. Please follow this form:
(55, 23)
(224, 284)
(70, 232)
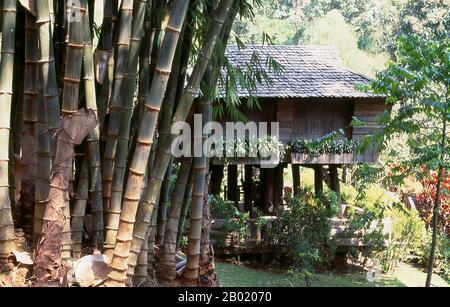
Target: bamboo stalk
(60, 40)
(142, 265)
(93, 139)
(48, 72)
(163, 154)
(144, 144)
(106, 43)
(129, 84)
(163, 206)
(117, 97)
(29, 127)
(184, 210)
(71, 93)
(7, 235)
(79, 209)
(43, 165)
(191, 273)
(74, 59)
(166, 266)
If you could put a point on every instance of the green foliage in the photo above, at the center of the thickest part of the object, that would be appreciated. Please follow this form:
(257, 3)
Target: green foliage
(303, 230)
(393, 233)
(332, 29)
(442, 255)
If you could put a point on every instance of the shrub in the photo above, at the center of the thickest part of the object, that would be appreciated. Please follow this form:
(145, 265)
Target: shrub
(303, 230)
(235, 222)
(408, 235)
(426, 199)
(442, 255)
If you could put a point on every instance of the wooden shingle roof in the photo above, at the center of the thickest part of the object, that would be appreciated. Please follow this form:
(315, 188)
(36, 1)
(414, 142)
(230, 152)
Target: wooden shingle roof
(308, 72)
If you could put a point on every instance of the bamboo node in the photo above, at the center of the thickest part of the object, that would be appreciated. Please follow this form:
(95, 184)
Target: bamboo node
(152, 108)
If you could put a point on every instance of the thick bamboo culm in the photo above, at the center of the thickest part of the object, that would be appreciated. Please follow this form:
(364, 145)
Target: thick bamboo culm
(106, 44)
(166, 265)
(184, 210)
(74, 59)
(164, 200)
(29, 127)
(71, 90)
(128, 86)
(117, 97)
(144, 144)
(43, 165)
(7, 234)
(79, 209)
(163, 155)
(93, 139)
(48, 72)
(181, 114)
(190, 275)
(142, 263)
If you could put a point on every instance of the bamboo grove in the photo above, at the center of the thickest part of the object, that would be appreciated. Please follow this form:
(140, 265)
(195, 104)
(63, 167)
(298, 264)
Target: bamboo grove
(85, 133)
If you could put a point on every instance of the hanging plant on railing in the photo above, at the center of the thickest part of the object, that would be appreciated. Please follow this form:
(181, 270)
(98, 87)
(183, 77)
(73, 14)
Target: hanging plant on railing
(324, 146)
(258, 148)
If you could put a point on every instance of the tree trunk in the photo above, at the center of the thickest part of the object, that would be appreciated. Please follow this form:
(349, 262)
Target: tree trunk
(7, 235)
(435, 221)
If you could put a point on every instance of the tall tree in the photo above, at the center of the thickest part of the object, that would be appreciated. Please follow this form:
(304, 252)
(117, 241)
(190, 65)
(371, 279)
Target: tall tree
(419, 82)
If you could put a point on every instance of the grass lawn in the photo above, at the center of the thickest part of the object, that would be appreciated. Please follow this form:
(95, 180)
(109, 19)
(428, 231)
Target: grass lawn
(233, 275)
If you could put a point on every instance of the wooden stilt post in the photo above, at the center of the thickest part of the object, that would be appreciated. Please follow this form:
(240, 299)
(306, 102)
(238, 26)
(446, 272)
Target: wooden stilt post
(248, 188)
(232, 178)
(334, 180)
(217, 172)
(296, 179)
(318, 179)
(278, 180)
(266, 189)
